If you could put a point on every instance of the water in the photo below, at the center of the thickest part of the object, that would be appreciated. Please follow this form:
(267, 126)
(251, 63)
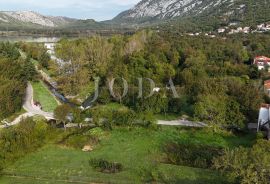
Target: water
(29, 39)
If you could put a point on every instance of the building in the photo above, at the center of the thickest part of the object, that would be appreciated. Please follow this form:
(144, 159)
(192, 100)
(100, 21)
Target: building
(221, 30)
(246, 30)
(264, 119)
(262, 62)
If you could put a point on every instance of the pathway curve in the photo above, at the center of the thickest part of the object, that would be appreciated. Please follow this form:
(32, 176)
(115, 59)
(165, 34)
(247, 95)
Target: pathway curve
(31, 109)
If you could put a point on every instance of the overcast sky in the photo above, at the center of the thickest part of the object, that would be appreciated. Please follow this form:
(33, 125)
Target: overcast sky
(92, 9)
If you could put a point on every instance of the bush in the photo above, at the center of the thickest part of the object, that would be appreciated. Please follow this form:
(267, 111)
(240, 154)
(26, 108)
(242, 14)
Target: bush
(246, 165)
(105, 166)
(200, 156)
(77, 141)
(96, 133)
(123, 117)
(146, 119)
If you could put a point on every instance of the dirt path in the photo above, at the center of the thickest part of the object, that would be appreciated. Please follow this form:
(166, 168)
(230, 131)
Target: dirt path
(181, 123)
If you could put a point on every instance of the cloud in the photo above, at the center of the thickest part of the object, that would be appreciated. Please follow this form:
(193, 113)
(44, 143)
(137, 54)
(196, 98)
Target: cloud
(96, 9)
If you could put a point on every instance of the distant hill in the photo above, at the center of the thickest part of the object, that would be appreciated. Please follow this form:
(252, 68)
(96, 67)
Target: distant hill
(31, 19)
(23, 20)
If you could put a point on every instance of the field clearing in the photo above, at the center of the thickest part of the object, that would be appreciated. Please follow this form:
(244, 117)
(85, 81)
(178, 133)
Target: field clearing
(44, 97)
(138, 150)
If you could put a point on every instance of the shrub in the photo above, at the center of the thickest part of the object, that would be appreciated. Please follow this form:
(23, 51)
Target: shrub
(96, 132)
(123, 117)
(77, 141)
(106, 166)
(200, 156)
(246, 165)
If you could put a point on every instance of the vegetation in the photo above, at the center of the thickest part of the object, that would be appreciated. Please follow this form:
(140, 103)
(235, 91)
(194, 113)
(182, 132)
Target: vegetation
(14, 73)
(36, 52)
(139, 150)
(244, 165)
(197, 78)
(209, 80)
(25, 138)
(105, 166)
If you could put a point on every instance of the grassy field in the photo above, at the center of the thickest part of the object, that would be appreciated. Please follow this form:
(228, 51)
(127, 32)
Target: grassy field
(138, 150)
(43, 95)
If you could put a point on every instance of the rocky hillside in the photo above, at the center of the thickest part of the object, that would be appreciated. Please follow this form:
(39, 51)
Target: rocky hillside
(223, 10)
(163, 9)
(29, 18)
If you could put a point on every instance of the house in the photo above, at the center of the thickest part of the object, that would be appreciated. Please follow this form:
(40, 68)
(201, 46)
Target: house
(156, 90)
(239, 29)
(221, 30)
(233, 23)
(262, 62)
(260, 26)
(246, 30)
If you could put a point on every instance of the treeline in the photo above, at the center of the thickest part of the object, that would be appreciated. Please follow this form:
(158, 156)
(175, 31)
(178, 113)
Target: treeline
(14, 74)
(213, 76)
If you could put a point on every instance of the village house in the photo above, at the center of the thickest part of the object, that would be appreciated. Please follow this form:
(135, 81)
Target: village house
(262, 62)
(221, 30)
(246, 30)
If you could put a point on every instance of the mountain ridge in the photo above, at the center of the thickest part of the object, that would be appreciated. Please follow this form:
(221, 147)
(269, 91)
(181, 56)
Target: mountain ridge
(196, 11)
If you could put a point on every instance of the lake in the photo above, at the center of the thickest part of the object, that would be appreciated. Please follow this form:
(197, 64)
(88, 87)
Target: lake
(29, 39)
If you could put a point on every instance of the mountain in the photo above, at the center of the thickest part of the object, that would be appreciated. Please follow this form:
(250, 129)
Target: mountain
(31, 19)
(197, 11)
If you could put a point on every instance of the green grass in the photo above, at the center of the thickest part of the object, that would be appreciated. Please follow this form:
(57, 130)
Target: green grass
(137, 149)
(43, 95)
(111, 107)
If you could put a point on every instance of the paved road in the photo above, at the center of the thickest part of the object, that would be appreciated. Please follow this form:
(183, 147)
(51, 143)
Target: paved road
(31, 109)
(181, 123)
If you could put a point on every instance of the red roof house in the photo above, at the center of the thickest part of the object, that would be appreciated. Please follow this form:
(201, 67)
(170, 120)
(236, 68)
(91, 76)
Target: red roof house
(261, 62)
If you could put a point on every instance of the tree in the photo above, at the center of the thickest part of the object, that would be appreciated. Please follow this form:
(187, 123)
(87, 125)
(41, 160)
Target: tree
(234, 116)
(29, 71)
(63, 114)
(44, 59)
(77, 116)
(211, 109)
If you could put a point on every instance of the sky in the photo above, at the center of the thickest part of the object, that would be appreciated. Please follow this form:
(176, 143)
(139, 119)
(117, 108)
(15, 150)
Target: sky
(83, 9)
